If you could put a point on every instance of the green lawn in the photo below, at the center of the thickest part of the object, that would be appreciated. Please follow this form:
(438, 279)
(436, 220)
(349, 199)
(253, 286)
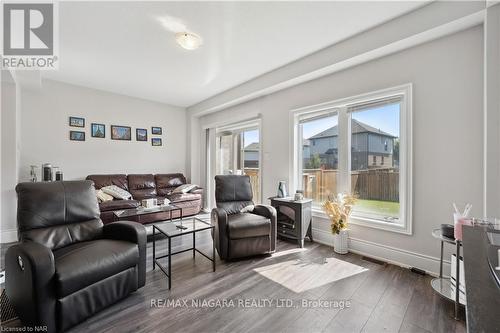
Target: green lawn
(385, 208)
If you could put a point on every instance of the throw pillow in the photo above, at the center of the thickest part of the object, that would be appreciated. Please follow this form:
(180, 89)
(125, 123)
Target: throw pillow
(184, 188)
(247, 209)
(117, 192)
(103, 197)
(195, 188)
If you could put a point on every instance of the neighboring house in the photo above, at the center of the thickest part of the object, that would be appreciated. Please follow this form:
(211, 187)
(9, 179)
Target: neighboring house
(306, 151)
(251, 155)
(371, 147)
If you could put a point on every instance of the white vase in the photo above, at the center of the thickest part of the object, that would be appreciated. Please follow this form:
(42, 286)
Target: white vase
(340, 242)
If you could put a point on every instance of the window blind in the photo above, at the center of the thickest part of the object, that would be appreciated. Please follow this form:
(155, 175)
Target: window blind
(317, 115)
(375, 103)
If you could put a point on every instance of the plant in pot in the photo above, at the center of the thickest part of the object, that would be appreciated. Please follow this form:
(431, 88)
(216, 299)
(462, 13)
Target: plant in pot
(338, 209)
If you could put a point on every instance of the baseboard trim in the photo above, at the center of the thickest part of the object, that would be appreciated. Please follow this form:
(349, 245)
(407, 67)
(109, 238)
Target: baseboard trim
(8, 236)
(392, 255)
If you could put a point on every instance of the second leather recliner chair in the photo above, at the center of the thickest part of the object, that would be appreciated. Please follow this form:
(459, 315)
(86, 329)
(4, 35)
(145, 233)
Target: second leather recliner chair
(242, 229)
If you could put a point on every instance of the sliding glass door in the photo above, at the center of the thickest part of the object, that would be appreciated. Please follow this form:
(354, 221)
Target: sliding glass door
(237, 152)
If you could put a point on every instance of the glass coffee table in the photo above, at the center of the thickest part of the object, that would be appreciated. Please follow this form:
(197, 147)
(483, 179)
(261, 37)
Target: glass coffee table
(176, 229)
(136, 213)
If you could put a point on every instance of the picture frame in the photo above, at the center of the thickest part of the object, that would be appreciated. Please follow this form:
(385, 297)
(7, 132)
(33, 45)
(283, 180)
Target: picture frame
(77, 136)
(97, 130)
(76, 122)
(141, 134)
(156, 142)
(156, 130)
(121, 133)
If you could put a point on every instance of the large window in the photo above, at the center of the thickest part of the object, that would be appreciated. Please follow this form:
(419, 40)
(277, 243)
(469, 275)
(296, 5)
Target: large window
(360, 145)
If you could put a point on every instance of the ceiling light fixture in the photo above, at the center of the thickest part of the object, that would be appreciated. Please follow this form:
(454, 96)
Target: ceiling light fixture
(188, 40)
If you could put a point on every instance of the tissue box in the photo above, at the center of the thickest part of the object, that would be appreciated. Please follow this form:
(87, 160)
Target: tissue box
(453, 272)
(453, 278)
(149, 203)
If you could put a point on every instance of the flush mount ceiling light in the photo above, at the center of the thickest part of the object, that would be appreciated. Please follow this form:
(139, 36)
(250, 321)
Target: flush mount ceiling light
(188, 40)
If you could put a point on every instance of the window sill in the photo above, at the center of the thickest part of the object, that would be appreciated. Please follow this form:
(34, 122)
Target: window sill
(400, 228)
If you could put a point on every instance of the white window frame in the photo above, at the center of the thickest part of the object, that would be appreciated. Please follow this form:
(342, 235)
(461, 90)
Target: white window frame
(341, 108)
(210, 162)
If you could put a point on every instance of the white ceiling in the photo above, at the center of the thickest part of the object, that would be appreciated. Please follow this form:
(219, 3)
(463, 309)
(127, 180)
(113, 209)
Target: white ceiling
(123, 47)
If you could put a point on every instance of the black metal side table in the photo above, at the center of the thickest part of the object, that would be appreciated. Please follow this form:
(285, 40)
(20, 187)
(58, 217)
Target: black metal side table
(175, 229)
(441, 284)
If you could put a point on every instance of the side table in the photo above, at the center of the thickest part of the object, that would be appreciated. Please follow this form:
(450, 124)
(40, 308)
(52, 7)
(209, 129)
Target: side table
(177, 229)
(441, 284)
(300, 226)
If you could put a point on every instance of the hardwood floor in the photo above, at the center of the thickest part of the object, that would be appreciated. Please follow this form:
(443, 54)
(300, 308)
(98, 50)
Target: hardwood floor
(381, 298)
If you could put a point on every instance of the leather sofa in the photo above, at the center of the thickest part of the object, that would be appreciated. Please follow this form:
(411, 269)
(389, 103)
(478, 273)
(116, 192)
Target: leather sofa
(145, 186)
(68, 265)
(242, 229)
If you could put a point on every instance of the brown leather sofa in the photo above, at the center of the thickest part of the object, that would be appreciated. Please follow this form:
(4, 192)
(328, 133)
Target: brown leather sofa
(146, 186)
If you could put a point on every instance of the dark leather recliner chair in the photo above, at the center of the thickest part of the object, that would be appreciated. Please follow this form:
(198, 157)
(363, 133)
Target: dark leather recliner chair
(69, 266)
(241, 229)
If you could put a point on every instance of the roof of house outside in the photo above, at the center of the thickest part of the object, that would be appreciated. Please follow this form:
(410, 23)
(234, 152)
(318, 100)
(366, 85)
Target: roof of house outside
(357, 127)
(254, 146)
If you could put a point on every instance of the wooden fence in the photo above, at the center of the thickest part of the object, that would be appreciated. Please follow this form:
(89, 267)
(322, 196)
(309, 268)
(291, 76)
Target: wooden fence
(254, 181)
(374, 184)
(319, 184)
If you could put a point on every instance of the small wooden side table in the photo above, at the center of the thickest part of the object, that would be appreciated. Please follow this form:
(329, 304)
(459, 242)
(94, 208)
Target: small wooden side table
(301, 225)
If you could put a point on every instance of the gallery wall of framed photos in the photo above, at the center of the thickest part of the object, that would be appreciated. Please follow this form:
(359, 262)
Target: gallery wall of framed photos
(45, 124)
(117, 132)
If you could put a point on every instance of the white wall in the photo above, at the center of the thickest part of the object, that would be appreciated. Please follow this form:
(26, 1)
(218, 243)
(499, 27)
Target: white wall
(447, 77)
(45, 132)
(492, 111)
(9, 159)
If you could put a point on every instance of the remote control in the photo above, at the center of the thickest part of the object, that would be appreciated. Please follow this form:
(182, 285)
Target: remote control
(181, 227)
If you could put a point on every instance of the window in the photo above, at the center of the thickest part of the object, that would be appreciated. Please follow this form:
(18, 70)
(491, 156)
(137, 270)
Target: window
(238, 152)
(377, 186)
(363, 146)
(319, 161)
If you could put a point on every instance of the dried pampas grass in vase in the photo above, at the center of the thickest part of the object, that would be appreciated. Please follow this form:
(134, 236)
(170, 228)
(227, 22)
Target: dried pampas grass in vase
(339, 209)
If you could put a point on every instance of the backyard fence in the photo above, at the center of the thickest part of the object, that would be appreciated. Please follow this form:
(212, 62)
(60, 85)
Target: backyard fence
(253, 173)
(374, 184)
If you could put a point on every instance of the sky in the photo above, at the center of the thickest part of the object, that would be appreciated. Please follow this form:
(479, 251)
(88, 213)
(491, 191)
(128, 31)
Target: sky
(385, 118)
(250, 137)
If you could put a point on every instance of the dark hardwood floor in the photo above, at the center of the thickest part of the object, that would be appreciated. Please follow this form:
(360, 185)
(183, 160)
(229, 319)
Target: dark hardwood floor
(381, 298)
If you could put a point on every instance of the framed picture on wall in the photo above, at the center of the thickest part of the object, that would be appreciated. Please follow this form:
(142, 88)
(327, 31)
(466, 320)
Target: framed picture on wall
(121, 133)
(76, 122)
(141, 134)
(156, 142)
(76, 136)
(156, 130)
(98, 130)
